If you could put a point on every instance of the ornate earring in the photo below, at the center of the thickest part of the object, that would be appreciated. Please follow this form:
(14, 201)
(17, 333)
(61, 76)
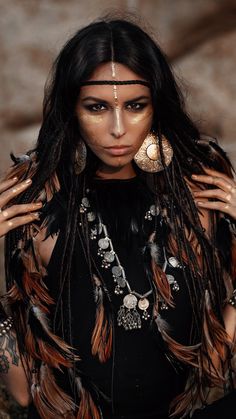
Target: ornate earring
(80, 157)
(148, 157)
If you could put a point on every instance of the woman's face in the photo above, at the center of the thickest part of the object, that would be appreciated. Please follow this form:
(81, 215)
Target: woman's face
(114, 120)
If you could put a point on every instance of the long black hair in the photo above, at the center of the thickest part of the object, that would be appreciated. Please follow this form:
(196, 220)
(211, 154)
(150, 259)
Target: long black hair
(52, 163)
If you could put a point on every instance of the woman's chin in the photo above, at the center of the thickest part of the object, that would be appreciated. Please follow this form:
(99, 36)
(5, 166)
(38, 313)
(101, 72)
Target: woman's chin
(124, 168)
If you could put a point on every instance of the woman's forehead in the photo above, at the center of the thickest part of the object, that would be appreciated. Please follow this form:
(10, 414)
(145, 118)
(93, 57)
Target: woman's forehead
(112, 80)
(110, 70)
(106, 92)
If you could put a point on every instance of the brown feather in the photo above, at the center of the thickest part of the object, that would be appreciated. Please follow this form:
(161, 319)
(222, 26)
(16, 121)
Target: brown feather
(162, 283)
(102, 333)
(58, 354)
(50, 400)
(87, 407)
(13, 295)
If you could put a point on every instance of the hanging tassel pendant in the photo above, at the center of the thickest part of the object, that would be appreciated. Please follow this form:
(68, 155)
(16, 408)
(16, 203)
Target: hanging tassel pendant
(128, 317)
(143, 305)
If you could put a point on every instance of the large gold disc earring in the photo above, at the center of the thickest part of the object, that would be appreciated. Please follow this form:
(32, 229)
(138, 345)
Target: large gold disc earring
(80, 157)
(148, 157)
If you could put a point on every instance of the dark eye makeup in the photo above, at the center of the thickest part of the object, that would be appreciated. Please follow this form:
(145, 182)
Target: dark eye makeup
(95, 107)
(136, 106)
(99, 107)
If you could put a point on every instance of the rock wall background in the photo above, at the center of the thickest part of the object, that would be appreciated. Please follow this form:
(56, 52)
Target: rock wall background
(198, 36)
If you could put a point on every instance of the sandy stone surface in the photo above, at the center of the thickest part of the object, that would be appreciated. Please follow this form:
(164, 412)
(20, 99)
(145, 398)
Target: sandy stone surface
(210, 87)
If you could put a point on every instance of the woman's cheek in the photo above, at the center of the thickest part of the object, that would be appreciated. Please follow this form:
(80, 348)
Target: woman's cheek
(90, 127)
(87, 119)
(91, 138)
(144, 119)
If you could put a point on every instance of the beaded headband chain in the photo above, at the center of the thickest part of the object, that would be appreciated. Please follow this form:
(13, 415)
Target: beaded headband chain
(112, 82)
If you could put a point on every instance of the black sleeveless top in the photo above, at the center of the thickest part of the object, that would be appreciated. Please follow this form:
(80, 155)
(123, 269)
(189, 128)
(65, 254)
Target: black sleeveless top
(138, 381)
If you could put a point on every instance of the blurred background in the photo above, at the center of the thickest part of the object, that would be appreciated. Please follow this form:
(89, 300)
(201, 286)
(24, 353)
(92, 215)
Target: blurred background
(198, 36)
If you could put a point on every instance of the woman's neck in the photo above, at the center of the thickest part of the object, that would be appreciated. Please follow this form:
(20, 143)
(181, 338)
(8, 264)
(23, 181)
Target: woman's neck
(107, 172)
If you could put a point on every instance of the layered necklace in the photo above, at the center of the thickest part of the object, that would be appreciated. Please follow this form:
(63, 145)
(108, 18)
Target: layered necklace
(134, 307)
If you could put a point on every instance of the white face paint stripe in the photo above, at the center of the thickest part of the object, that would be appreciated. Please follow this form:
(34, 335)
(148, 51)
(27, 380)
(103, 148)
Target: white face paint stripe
(117, 114)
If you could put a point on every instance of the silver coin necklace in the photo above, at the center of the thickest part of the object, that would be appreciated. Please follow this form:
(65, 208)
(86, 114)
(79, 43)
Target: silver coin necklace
(135, 305)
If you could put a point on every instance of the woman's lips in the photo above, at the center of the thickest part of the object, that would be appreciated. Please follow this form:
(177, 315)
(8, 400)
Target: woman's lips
(118, 150)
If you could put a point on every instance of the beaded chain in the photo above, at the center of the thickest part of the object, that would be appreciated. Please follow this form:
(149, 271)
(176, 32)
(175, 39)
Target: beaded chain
(5, 326)
(232, 300)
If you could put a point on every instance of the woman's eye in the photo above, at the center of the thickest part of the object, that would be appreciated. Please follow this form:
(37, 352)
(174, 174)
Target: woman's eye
(136, 106)
(97, 107)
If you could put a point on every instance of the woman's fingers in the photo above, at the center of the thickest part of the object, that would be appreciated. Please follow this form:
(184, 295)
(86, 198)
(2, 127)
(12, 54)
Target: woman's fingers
(6, 184)
(224, 194)
(10, 224)
(15, 215)
(15, 210)
(220, 182)
(10, 189)
(213, 172)
(215, 193)
(219, 206)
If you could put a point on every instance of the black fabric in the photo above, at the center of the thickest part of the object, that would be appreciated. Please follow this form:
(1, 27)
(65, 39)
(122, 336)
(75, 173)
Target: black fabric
(224, 408)
(138, 381)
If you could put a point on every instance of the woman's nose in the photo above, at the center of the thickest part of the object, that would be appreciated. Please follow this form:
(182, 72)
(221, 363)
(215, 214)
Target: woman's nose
(118, 126)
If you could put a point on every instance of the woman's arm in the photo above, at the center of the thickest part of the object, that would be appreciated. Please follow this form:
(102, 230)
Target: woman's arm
(12, 371)
(223, 199)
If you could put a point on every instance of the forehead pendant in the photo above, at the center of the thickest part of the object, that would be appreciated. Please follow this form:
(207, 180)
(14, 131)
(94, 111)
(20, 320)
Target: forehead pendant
(117, 113)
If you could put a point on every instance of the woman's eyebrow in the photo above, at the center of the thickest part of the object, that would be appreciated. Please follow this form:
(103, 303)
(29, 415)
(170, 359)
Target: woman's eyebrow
(96, 99)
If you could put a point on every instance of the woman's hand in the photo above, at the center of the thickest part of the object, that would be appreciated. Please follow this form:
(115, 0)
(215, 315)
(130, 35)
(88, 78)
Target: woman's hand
(15, 215)
(224, 193)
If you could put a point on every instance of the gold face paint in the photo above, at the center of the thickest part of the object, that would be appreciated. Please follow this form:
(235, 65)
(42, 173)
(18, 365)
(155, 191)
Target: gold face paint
(136, 119)
(114, 118)
(93, 119)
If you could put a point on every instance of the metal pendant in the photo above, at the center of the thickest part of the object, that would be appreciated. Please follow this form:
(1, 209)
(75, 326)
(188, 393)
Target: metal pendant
(85, 202)
(91, 216)
(116, 270)
(118, 290)
(172, 281)
(129, 318)
(153, 211)
(174, 262)
(109, 256)
(84, 205)
(130, 301)
(143, 304)
(121, 281)
(95, 231)
(164, 306)
(175, 286)
(103, 243)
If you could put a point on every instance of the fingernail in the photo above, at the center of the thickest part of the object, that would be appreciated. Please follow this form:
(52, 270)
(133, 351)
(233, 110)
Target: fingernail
(28, 181)
(200, 202)
(194, 176)
(38, 204)
(15, 178)
(36, 214)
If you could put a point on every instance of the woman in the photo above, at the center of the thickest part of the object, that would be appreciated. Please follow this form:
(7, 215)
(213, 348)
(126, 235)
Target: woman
(122, 291)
